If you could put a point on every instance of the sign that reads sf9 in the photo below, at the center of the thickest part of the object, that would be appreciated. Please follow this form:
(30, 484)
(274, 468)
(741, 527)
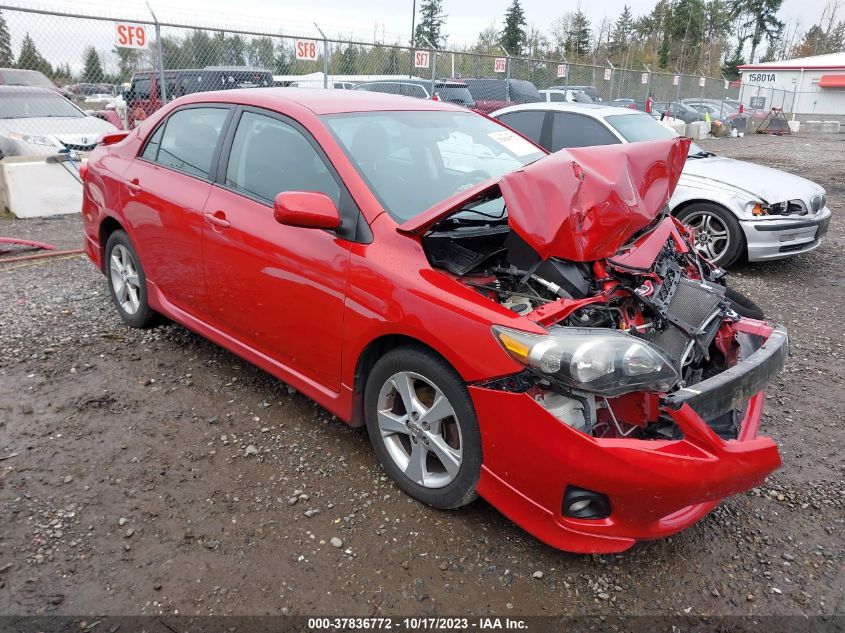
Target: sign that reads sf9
(131, 35)
(306, 49)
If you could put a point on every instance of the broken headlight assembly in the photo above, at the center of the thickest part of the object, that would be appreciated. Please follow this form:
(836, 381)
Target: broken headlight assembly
(602, 361)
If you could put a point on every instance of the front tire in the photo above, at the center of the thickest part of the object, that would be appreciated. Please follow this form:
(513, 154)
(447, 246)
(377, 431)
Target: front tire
(127, 282)
(423, 427)
(718, 236)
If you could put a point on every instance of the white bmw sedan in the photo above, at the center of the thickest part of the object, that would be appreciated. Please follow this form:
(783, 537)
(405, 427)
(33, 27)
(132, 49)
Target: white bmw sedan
(737, 208)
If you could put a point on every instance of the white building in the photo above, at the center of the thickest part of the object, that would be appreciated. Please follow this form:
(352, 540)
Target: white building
(811, 87)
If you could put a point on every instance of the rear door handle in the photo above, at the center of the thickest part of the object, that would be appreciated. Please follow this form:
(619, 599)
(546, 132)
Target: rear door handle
(218, 219)
(134, 186)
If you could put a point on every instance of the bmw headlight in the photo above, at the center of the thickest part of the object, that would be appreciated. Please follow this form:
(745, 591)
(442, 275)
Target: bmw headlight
(603, 361)
(31, 139)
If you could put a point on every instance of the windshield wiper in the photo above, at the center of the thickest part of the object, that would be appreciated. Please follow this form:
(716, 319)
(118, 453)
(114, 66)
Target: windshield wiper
(701, 154)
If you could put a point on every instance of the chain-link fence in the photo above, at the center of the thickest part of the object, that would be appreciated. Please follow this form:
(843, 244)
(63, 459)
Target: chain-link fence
(122, 69)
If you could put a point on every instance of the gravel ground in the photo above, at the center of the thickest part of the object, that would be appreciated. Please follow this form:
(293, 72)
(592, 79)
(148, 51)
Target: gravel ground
(146, 472)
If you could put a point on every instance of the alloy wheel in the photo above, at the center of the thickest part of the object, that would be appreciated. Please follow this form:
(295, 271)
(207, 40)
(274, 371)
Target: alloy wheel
(419, 429)
(124, 278)
(712, 238)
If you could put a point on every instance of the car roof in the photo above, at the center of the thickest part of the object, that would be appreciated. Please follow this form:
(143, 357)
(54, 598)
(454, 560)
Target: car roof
(320, 100)
(27, 89)
(595, 110)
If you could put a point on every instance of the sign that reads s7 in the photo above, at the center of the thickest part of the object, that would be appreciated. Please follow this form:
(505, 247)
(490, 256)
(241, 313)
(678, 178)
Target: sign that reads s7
(761, 77)
(306, 49)
(131, 35)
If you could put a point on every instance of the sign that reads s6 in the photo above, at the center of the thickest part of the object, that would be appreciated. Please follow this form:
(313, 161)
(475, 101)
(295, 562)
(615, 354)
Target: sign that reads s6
(131, 35)
(500, 65)
(306, 49)
(421, 59)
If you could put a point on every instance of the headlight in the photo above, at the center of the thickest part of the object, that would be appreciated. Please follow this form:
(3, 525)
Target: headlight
(597, 360)
(31, 139)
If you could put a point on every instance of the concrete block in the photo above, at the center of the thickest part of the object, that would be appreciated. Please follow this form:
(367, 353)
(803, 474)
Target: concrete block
(794, 126)
(821, 127)
(676, 125)
(830, 127)
(30, 187)
(697, 130)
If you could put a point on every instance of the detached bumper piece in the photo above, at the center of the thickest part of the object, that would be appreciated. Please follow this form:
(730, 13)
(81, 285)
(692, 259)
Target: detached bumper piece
(732, 388)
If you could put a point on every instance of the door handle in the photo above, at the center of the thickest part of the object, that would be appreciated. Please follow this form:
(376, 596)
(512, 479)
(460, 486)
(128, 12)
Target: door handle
(218, 219)
(134, 186)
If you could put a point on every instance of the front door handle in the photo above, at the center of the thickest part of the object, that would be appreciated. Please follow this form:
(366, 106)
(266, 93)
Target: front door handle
(218, 219)
(134, 186)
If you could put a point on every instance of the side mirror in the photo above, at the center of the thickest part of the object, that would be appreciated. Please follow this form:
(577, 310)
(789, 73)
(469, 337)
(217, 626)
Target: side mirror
(307, 209)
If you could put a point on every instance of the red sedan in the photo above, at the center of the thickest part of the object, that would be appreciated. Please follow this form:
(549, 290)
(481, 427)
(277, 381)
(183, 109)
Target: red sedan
(526, 327)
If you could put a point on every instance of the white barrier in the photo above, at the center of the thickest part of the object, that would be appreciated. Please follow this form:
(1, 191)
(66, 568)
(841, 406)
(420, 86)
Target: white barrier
(30, 187)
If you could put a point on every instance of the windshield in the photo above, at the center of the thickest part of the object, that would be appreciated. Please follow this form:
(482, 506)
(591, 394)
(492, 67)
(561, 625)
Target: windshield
(454, 94)
(26, 78)
(635, 128)
(413, 160)
(31, 104)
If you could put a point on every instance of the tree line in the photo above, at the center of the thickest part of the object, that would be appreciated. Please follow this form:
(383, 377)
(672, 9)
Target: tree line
(690, 36)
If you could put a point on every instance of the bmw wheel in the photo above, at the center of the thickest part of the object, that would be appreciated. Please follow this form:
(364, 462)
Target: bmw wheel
(127, 282)
(423, 427)
(718, 236)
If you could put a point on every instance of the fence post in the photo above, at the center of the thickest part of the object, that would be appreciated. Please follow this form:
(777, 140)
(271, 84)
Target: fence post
(566, 77)
(433, 52)
(680, 80)
(612, 77)
(325, 56)
(724, 95)
(507, 74)
(794, 96)
(648, 83)
(160, 47)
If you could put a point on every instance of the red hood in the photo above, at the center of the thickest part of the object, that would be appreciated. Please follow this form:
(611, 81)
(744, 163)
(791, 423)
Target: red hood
(581, 204)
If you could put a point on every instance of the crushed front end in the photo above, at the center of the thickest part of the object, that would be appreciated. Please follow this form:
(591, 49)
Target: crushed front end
(638, 407)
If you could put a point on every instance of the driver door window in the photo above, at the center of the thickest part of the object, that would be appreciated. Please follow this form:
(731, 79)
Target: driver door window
(575, 130)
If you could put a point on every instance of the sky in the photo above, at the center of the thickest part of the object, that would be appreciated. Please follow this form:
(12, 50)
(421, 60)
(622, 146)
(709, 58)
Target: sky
(62, 39)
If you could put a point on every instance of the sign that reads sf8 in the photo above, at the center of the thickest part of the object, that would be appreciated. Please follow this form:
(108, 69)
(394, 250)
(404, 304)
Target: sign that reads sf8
(761, 77)
(131, 35)
(306, 50)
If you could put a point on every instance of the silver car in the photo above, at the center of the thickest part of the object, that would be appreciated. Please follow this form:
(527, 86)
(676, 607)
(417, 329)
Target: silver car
(40, 122)
(736, 207)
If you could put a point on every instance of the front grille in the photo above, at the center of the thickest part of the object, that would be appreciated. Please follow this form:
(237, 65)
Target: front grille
(80, 148)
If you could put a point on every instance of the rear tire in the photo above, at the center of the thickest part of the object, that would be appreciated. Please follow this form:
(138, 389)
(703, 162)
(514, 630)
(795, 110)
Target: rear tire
(423, 427)
(127, 282)
(718, 236)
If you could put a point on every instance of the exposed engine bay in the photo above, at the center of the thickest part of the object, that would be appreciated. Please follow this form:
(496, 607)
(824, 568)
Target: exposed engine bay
(656, 289)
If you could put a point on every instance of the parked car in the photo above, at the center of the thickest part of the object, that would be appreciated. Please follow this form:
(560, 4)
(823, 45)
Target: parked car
(31, 78)
(736, 208)
(39, 122)
(417, 268)
(144, 94)
(591, 91)
(565, 96)
(676, 110)
(633, 104)
(492, 94)
(449, 91)
(717, 109)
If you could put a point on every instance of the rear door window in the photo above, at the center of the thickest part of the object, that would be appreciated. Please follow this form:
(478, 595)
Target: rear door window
(189, 139)
(575, 130)
(529, 124)
(141, 88)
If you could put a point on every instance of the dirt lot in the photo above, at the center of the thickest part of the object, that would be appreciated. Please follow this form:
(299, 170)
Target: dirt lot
(126, 485)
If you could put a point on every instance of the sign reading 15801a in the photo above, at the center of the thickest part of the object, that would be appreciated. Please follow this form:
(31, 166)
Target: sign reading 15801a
(758, 77)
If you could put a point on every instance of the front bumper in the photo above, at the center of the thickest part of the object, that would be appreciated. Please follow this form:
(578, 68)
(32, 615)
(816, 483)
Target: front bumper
(655, 487)
(779, 238)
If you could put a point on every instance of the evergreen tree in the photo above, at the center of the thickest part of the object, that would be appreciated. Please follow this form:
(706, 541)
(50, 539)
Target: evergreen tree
(30, 59)
(513, 35)
(622, 31)
(431, 23)
(7, 58)
(578, 39)
(92, 71)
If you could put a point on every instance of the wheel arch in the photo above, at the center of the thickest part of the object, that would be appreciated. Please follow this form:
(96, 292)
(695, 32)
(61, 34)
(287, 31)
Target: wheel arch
(686, 204)
(368, 357)
(108, 226)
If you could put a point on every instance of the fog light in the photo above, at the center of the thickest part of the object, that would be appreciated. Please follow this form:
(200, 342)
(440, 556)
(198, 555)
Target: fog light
(579, 503)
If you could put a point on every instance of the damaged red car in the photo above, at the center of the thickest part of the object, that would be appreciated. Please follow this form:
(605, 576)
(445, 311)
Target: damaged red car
(530, 328)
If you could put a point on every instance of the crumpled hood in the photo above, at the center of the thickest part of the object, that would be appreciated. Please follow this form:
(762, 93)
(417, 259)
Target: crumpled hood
(772, 185)
(580, 204)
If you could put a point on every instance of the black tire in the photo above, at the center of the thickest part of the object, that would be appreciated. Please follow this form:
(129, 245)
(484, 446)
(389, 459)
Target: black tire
(744, 306)
(736, 240)
(144, 316)
(461, 489)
